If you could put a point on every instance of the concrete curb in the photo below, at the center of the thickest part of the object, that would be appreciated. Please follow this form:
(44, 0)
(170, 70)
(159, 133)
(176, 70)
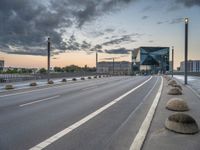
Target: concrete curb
(141, 135)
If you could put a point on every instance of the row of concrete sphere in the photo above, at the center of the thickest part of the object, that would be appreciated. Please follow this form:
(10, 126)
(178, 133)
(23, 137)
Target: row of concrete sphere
(179, 122)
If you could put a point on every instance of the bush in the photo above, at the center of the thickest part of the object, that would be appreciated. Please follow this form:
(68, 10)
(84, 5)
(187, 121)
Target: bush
(9, 87)
(82, 78)
(33, 84)
(50, 82)
(89, 78)
(95, 76)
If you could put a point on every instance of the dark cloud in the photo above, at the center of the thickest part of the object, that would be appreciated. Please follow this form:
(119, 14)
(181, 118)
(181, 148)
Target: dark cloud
(176, 20)
(109, 30)
(117, 51)
(160, 22)
(145, 17)
(124, 38)
(172, 21)
(28, 23)
(151, 41)
(189, 3)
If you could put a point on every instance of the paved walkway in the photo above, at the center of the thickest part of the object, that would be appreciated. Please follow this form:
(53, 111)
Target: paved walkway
(160, 138)
(193, 82)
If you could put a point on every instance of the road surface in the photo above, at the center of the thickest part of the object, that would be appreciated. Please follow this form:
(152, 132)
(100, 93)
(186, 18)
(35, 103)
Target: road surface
(95, 114)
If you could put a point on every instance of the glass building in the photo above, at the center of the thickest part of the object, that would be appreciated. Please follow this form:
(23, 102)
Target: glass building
(151, 59)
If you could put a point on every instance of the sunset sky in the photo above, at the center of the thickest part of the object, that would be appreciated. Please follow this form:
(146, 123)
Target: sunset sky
(80, 27)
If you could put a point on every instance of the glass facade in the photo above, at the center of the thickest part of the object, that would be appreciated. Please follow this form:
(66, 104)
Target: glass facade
(155, 59)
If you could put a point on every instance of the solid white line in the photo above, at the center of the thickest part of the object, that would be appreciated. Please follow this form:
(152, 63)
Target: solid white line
(82, 121)
(37, 101)
(141, 135)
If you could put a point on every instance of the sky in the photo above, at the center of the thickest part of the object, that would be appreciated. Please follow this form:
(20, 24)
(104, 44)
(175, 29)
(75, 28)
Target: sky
(79, 28)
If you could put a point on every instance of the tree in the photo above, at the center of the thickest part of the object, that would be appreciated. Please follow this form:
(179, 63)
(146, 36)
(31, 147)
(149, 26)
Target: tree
(42, 71)
(58, 69)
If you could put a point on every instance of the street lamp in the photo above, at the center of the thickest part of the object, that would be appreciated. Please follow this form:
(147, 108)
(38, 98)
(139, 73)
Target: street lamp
(48, 60)
(172, 61)
(186, 47)
(113, 66)
(96, 61)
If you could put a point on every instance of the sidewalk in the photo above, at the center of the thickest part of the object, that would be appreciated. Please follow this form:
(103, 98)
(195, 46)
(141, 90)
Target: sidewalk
(160, 138)
(193, 82)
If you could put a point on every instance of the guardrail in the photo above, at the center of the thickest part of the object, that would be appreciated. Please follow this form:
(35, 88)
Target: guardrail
(7, 78)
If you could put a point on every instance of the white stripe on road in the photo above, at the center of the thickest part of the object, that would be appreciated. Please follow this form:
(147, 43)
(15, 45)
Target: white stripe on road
(41, 100)
(141, 135)
(82, 121)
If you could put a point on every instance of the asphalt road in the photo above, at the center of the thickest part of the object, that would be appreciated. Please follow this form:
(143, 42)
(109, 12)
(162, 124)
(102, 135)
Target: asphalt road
(30, 117)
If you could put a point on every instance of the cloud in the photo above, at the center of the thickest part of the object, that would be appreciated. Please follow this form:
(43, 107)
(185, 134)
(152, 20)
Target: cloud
(124, 38)
(27, 23)
(151, 41)
(109, 30)
(172, 21)
(145, 17)
(189, 3)
(176, 20)
(117, 51)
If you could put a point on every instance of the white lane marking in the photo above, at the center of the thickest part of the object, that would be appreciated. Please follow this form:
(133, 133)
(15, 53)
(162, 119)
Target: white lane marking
(60, 134)
(37, 101)
(141, 135)
(89, 88)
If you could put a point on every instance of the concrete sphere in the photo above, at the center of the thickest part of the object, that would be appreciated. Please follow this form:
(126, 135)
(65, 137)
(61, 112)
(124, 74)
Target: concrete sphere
(177, 104)
(181, 123)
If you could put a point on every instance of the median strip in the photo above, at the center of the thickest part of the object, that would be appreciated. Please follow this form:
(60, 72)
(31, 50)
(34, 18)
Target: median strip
(65, 131)
(41, 100)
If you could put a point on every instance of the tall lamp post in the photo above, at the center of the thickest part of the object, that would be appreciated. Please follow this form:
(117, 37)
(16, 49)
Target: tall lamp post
(172, 61)
(48, 60)
(113, 66)
(186, 48)
(96, 61)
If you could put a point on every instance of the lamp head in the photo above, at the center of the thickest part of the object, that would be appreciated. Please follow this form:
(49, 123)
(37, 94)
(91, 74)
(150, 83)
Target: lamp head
(186, 20)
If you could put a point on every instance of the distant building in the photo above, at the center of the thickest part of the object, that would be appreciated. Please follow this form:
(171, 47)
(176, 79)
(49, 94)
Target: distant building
(192, 66)
(1, 64)
(117, 68)
(153, 59)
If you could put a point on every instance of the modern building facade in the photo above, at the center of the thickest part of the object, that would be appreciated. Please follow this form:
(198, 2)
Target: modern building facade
(192, 66)
(1, 64)
(117, 68)
(151, 59)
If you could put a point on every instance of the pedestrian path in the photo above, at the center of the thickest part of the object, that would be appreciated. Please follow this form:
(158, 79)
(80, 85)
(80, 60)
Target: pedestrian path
(193, 82)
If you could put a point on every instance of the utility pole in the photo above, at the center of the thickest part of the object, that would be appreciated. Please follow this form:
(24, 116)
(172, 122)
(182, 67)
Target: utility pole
(186, 48)
(172, 61)
(48, 60)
